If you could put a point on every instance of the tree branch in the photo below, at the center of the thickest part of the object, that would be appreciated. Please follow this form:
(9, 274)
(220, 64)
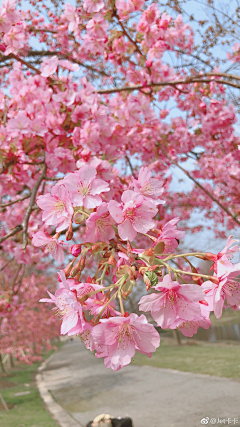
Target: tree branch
(198, 184)
(4, 205)
(194, 79)
(11, 233)
(30, 206)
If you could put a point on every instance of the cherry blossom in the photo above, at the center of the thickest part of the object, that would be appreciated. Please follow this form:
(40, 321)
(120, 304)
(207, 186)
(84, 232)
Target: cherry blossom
(85, 188)
(67, 305)
(226, 286)
(93, 5)
(170, 235)
(57, 208)
(99, 225)
(120, 337)
(174, 300)
(51, 245)
(133, 215)
(149, 187)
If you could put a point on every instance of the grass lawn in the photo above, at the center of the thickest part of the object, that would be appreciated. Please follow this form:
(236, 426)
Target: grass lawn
(27, 410)
(229, 317)
(222, 360)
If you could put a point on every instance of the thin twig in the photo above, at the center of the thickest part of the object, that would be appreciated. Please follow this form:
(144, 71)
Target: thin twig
(30, 206)
(11, 233)
(130, 165)
(15, 201)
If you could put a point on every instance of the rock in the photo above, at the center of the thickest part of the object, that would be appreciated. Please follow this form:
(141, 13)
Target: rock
(106, 420)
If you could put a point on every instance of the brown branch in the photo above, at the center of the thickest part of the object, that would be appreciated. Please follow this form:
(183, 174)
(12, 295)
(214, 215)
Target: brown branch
(30, 206)
(52, 179)
(198, 184)
(11, 233)
(26, 63)
(130, 165)
(14, 201)
(129, 37)
(193, 79)
(7, 263)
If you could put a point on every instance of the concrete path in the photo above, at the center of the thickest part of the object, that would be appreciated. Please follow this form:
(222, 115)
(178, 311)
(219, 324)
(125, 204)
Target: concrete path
(152, 397)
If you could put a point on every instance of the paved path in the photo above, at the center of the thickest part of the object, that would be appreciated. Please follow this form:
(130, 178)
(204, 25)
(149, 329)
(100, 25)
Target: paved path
(152, 397)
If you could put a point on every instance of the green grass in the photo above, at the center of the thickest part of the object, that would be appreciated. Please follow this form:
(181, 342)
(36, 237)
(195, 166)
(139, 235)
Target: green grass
(213, 359)
(229, 317)
(28, 410)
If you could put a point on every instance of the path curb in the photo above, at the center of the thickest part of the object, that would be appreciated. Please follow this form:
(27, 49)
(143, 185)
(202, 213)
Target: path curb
(57, 412)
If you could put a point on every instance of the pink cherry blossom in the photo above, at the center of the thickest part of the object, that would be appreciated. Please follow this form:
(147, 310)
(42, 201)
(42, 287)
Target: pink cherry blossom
(148, 187)
(226, 288)
(72, 16)
(120, 337)
(57, 208)
(49, 66)
(134, 215)
(20, 123)
(67, 305)
(190, 327)
(170, 235)
(227, 252)
(85, 188)
(174, 301)
(62, 159)
(99, 225)
(93, 5)
(87, 338)
(53, 246)
(5, 21)
(97, 26)
(124, 8)
(96, 303)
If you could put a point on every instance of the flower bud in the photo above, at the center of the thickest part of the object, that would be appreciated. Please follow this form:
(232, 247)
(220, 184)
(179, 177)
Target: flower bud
(74, 271)
(126, 269)
(127, 288)
(79, 218)
(76, 250)
(69, 268)
(77, 277)
(208, 256)
(150, 279)
(69, 233)
(142, 270)
(112, 260)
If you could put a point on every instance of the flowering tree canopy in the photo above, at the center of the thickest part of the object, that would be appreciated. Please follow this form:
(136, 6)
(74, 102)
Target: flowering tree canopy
(86, 142)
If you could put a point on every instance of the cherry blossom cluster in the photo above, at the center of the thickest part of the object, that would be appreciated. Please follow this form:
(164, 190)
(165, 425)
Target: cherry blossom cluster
(92, 306)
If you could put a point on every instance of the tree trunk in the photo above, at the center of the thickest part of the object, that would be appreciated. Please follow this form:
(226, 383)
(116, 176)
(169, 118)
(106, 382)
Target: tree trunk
(11, 361)
(2, 365)
(176, 336)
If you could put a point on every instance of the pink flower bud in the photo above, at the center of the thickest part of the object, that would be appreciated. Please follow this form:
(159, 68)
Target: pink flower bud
(76, 250)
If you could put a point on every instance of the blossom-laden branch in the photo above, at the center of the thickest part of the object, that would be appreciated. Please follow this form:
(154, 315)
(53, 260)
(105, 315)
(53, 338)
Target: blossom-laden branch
(199, 185)
(215, 77)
